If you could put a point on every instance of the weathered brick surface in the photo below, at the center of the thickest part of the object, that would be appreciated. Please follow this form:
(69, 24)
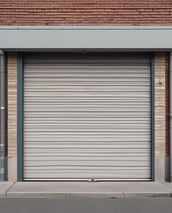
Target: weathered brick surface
(160, 105)
(85, 12)
(12, 104)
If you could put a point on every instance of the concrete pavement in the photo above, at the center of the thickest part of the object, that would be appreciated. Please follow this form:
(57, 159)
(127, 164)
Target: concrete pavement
(85, 205)
(85, 190)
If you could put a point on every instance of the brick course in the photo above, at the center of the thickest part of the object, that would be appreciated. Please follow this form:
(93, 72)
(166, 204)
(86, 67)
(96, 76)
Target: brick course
(86, 12)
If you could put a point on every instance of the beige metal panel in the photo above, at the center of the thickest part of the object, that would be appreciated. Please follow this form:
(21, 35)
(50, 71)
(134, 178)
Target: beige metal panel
(87, 117)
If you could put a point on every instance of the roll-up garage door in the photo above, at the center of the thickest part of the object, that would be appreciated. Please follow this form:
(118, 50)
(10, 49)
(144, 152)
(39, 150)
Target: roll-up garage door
(87, 117)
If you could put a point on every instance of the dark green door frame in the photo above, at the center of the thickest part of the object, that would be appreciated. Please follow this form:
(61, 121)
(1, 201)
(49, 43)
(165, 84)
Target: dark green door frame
(152, 110)
(19, 117)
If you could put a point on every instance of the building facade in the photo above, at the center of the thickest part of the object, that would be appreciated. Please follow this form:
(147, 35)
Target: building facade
(85, 90)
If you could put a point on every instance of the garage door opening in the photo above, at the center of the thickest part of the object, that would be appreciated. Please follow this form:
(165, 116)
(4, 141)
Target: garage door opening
(87, 117)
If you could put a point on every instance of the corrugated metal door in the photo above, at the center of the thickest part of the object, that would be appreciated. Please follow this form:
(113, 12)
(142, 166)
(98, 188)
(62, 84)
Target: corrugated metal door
(87, 117)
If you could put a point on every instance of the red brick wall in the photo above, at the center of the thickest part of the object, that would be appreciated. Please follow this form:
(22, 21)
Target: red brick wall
(85, 12)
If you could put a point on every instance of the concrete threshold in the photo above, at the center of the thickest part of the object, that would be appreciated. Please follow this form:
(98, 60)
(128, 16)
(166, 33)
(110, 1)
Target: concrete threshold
(85, 190)
(4, 187)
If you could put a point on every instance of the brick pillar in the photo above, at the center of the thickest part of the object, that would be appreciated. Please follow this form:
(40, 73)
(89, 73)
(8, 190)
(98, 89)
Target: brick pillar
(12, 116)
(160, 116)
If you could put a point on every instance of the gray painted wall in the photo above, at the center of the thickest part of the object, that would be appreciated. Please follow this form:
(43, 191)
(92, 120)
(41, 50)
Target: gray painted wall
(114, 38)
